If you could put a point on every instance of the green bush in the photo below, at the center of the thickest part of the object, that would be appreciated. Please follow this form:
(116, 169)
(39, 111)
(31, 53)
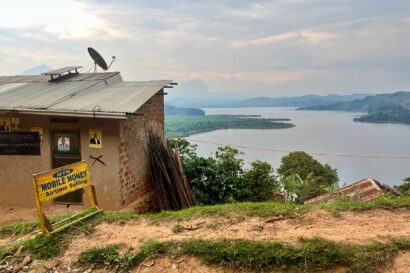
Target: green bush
(303, 177)
(223, 179)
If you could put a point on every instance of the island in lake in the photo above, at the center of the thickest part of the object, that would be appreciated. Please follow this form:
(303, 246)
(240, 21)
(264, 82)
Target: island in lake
(177, 126)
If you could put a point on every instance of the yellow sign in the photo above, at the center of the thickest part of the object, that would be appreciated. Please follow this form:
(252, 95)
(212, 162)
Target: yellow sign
(95, 138)
(60, 181)
(63, 180)
(15, 123)
(4, 125)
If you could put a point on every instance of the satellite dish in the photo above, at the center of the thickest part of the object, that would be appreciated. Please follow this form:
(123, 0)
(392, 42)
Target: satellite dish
(99, 60)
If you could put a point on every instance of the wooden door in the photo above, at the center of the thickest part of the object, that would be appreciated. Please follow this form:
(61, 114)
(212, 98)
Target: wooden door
(66, 149)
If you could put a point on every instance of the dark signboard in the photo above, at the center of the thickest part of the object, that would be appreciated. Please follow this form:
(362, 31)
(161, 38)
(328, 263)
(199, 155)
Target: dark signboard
(19, 143)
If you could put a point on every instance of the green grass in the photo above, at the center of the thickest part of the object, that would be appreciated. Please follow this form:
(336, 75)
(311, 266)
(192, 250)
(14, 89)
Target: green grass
(263, 209)
(45, 248)
(234, 211)
(309, 255)
(183, 126)
(18, 228)
(109, 257)
(25, 227)
(385, 202)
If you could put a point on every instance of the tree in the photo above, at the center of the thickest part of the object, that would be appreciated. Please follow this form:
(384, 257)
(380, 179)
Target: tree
(258, 184)
(405, 187)
(213, 180)
(303, 177)
(228, 169)
(222, 178)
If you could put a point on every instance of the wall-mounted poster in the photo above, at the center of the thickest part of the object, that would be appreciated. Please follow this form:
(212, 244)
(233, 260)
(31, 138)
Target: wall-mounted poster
(63, 144)
(95, 138)
(39, 130)
(4, 125)
(15, 123)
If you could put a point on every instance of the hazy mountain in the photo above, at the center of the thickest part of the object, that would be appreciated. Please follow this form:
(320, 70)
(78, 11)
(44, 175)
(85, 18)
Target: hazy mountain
(300, 101)
(36, 70)
(195, 93)
(181, 111)
(384, 108)
(373, 103)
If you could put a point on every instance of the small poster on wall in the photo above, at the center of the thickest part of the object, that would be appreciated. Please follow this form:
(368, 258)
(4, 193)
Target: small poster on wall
(95, 138)
(63, 144)
(4, 125)
(15, 123)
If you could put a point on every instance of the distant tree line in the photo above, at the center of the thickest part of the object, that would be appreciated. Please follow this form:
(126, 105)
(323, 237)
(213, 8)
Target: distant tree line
(223, 178)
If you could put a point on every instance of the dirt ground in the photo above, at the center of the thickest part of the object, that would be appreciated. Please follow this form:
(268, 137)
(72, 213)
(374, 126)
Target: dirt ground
(351, 227)
(348, 227)
(15, 214)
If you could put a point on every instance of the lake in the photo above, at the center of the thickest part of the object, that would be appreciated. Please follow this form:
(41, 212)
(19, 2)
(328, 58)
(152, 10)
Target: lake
(320, 132)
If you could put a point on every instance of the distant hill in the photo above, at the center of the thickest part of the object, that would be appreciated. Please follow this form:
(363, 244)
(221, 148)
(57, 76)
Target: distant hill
(36, 70)
(180, 111)
(391, 107)
(300, 101)
(369, 103)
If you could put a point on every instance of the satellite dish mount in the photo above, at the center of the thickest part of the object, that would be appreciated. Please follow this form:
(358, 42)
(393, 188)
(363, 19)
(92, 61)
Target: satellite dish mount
(99, 60)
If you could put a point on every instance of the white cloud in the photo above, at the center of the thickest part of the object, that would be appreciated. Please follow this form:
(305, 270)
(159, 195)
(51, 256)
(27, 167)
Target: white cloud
(306, 36)
(233, 46)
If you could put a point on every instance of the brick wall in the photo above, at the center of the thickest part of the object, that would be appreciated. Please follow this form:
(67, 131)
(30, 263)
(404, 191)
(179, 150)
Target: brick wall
(136, 192)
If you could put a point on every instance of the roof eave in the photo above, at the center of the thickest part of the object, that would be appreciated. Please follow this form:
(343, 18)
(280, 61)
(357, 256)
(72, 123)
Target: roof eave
(99, 114)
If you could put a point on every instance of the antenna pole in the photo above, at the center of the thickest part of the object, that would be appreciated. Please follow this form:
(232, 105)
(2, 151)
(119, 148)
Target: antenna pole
(112, 61)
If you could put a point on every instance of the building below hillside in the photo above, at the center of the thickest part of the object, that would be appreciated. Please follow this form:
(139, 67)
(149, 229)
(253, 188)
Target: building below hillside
(61, 117)
(365, 190)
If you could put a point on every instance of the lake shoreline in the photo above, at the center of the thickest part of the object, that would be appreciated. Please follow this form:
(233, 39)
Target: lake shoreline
(185, 126)
(320, 132)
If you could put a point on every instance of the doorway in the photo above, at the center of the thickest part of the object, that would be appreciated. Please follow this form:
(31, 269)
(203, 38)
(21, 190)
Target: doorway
(66, 149)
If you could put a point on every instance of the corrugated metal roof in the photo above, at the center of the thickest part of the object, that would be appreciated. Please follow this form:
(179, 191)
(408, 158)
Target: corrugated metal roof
(45, 78)
(123, 97)
(85, 93)
(365, 190)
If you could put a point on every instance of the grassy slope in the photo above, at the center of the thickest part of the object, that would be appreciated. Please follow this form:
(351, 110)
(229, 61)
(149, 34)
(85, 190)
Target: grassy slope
(183, 126)
(309, 254)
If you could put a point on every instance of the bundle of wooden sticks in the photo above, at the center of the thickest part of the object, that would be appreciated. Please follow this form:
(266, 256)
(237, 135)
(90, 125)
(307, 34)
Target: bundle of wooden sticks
(167, 175)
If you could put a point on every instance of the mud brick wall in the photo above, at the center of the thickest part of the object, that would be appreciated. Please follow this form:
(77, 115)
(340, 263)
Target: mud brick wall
(136, 192)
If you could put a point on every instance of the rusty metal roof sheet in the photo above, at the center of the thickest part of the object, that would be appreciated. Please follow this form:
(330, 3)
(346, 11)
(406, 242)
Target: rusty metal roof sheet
(96, 93)
(365, 190)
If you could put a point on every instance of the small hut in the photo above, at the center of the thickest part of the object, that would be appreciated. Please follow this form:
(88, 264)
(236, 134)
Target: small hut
(62, 116)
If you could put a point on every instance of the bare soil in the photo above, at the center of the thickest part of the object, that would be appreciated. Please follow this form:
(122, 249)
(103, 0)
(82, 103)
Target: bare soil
(347, 227)
(354, 227)
(10, 215)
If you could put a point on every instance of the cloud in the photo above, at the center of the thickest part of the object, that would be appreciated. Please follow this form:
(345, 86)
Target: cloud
(239, 47)
(303, 36)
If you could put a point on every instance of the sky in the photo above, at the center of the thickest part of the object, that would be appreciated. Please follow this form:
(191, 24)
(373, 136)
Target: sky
(231, 48)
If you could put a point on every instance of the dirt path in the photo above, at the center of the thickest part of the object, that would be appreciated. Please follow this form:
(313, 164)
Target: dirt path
(348, 227)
